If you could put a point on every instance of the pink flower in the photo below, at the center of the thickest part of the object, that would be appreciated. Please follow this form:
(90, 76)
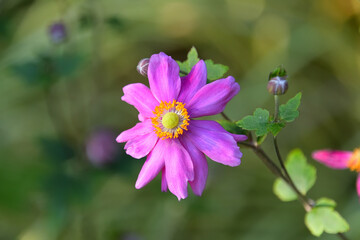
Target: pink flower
(341, 160)
(173, 141)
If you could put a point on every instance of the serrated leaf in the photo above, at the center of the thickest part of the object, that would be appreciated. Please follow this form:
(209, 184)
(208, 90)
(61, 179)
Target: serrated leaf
(192, 59)
(288, 112)
(325, 219)
(302, 174)
(214, 70)
(275, 127)
(257, 122)
(231, 127)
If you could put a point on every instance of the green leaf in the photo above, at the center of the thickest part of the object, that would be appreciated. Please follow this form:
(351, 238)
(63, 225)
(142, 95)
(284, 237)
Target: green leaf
(275, 127)
(57, 150)
(215, 71)
(278, 72)
(288, 112)
(29, 72)
(325, 219)
(302, 174)
(283, 191)
(67, 64)
(231, 127)
(325, 202)
(192, 59)
(261, 139)
(116, 23)
(257, 122)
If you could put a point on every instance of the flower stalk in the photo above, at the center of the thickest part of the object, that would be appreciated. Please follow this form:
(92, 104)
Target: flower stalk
(282, 173)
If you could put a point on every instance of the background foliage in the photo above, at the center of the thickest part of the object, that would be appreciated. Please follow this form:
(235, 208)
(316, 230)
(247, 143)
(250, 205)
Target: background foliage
(55, 98)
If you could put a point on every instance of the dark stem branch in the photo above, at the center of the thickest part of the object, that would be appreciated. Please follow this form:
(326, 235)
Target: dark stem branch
(304, 199)
(225, 116)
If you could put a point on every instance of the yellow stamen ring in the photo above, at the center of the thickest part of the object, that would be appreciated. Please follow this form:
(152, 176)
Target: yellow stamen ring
(354, 161)
(171, 119)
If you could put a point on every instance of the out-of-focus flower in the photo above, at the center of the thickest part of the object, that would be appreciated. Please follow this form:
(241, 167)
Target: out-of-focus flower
(175, 143)
(143, 66)
(341, 160)
(57, 32)
(277, 85)
(101, 148)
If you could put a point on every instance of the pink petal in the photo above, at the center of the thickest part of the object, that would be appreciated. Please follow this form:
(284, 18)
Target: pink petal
(164, 79)
(333, 158)
(178, 167)
(140, 96)
(139, 129)
(358, 184)
(152, 166)
(164, 186)
(141, 117)
(217, 127)
(238, 137)
(220, 146)
(191, 83)
(212, 98)
(140, 146)
(200, 167)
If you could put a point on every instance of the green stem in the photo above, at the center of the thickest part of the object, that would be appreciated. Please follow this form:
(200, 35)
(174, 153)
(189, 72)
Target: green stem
(276, 115)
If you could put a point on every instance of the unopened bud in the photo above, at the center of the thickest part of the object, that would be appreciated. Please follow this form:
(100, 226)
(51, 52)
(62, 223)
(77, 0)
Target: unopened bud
(57, 32)
(277, 85)
(143, 66)
(101, 148)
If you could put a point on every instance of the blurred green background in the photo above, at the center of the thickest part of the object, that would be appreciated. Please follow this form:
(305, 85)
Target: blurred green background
(62, 176)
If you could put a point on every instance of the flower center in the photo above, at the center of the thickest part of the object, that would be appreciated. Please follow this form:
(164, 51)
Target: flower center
(171, 119)
(354, 161)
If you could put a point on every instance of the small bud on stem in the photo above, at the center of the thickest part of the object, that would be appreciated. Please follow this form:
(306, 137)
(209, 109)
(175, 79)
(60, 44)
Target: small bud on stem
(57, 32)
(143, 66)
(278, 84)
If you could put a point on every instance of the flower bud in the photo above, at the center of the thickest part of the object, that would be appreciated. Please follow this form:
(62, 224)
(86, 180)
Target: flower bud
(101, 149)
(277, 85)
(143, 66)
(57, 32)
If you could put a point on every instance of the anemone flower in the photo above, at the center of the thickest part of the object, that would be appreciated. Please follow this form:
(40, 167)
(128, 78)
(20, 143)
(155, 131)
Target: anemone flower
(341, 160)
(167, 133)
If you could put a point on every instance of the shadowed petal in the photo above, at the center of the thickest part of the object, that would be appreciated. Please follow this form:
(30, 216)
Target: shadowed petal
(164, 79)
(333, 158)
(139, 129)
(239, 137)
(140, 96)
(140, 146)
(220, 146)
(200, 167)
(213, 97)
(178, 167)
(191, 83)
(152, 166)
(358, 184)
(164, 186)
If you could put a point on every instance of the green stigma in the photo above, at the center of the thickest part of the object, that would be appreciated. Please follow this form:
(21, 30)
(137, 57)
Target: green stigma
(170, 120)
